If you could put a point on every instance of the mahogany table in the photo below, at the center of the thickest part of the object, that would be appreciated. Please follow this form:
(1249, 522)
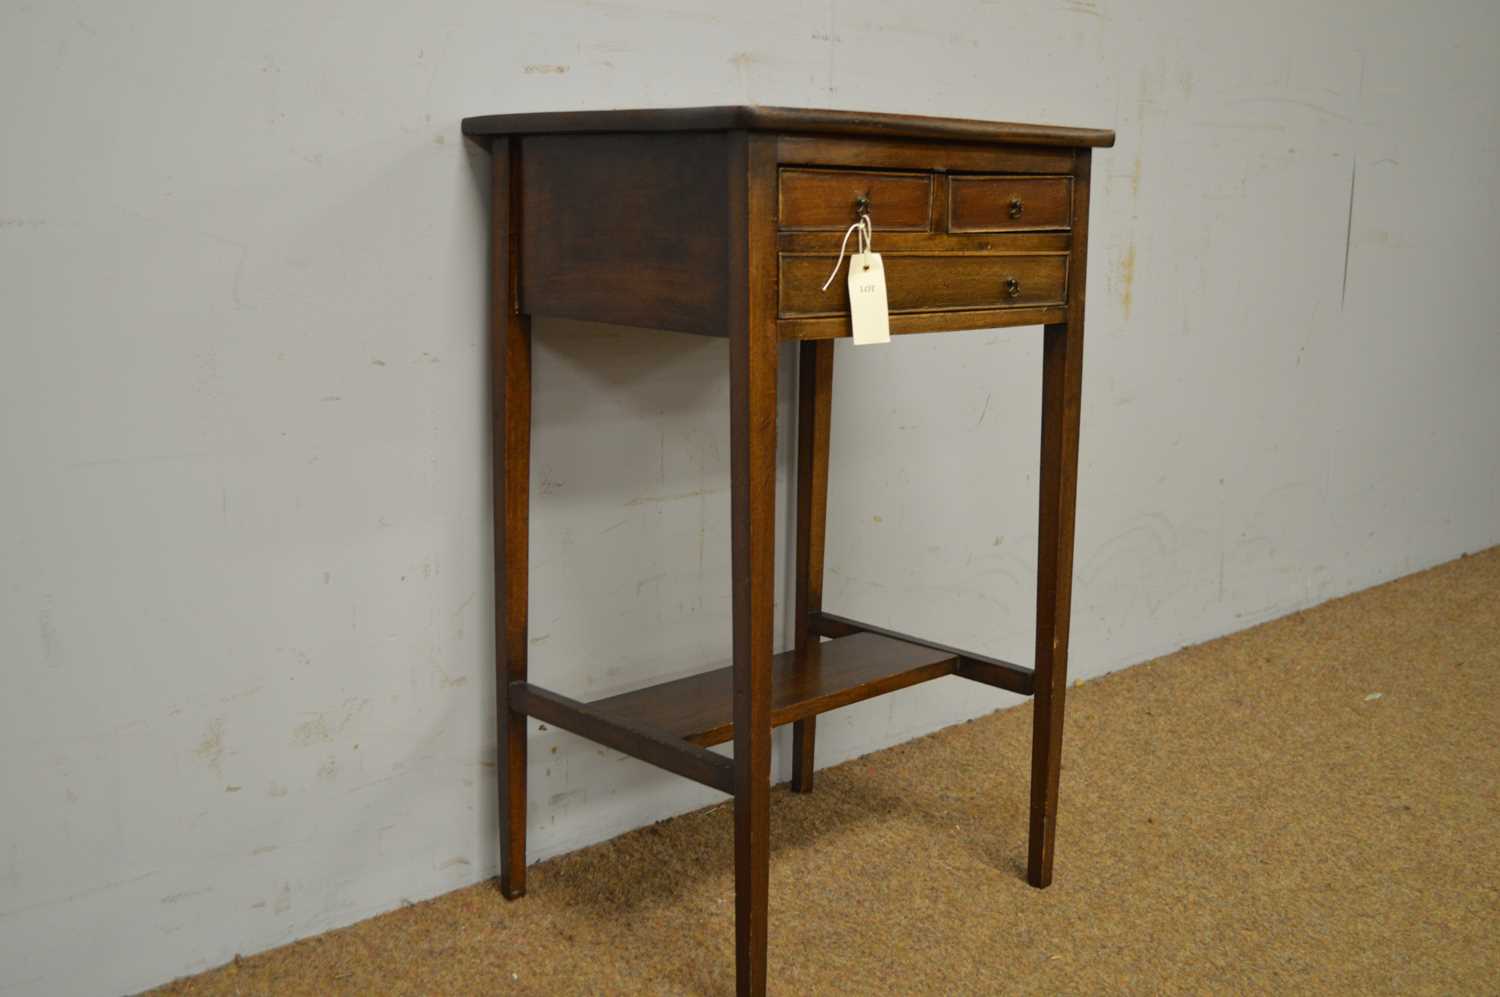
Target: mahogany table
(725, 221)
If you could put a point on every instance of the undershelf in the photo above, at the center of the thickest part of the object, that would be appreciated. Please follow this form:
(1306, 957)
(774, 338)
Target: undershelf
(700, 708)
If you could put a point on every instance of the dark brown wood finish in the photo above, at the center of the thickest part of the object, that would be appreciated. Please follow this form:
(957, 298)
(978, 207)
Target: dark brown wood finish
(717, 221)
(814, 420)
(866, 124)
(627, 229)
(828, 675)
(837, 326)
(978, 667)
(930, 242)
(510, 389)
(928, 282)
(624, 732)
(830, 200)
(1062, 387)
(906, 154)
(751, 320)
(1009, 204)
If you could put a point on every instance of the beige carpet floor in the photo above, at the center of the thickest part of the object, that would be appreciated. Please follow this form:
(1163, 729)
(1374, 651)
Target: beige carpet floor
(1309, 806)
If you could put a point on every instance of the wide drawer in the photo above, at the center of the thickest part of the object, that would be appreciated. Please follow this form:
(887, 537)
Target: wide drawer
(924, 282)
(1009, 204)
(814, 200)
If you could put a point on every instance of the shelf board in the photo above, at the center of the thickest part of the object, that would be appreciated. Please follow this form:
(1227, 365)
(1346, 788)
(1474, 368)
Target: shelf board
(700, 708)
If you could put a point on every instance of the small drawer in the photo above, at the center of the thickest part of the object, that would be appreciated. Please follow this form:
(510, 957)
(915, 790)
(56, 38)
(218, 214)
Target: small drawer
(1009, 204)
(813, 200)
(927, 282)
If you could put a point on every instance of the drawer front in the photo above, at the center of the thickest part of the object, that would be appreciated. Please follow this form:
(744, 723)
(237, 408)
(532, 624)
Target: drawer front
(1009, 204)
(926, 282)
(813, 200)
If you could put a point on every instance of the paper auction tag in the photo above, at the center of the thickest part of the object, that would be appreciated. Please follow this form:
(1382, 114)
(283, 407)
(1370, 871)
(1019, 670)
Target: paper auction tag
(868, 310)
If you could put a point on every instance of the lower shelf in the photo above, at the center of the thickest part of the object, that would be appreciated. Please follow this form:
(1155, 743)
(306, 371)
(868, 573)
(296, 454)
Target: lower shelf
(700, 708)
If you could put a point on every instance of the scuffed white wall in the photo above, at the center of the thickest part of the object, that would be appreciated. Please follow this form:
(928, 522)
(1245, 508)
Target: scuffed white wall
(244, 571)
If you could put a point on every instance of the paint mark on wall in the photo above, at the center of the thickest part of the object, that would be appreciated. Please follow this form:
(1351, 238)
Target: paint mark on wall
(544, 69)
(1127, 280)
(211, 746)
(325, 726)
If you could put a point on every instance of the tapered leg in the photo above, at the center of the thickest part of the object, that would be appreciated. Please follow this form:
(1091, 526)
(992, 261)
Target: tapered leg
(752, 443)
(1054, 584)
(510, 358)
(814, 413)
(1062, 379)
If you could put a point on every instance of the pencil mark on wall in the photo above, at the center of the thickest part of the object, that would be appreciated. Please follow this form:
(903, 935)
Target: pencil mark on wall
(832, 45)
(1086, 7)
(80, 895)
(186, 894)
(1348, 234)
(653, 499)
(1319, 108)
(51, 648)
(544, 69)
(144, 459)
(239, 266)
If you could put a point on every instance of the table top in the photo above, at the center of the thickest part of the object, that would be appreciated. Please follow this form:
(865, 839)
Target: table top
(785, 119)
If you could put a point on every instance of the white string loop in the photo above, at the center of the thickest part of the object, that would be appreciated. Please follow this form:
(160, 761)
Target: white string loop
(866, 239)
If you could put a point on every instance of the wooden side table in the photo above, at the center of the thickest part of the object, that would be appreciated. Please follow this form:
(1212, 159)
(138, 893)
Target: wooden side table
(725, 221)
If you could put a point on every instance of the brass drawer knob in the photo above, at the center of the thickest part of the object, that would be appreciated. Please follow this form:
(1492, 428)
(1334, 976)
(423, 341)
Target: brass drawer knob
(1012, 287)
(861, 205)
(1015, 207)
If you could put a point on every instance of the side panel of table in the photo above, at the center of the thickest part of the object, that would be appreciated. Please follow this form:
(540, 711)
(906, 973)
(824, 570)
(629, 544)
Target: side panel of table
(627, 229)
